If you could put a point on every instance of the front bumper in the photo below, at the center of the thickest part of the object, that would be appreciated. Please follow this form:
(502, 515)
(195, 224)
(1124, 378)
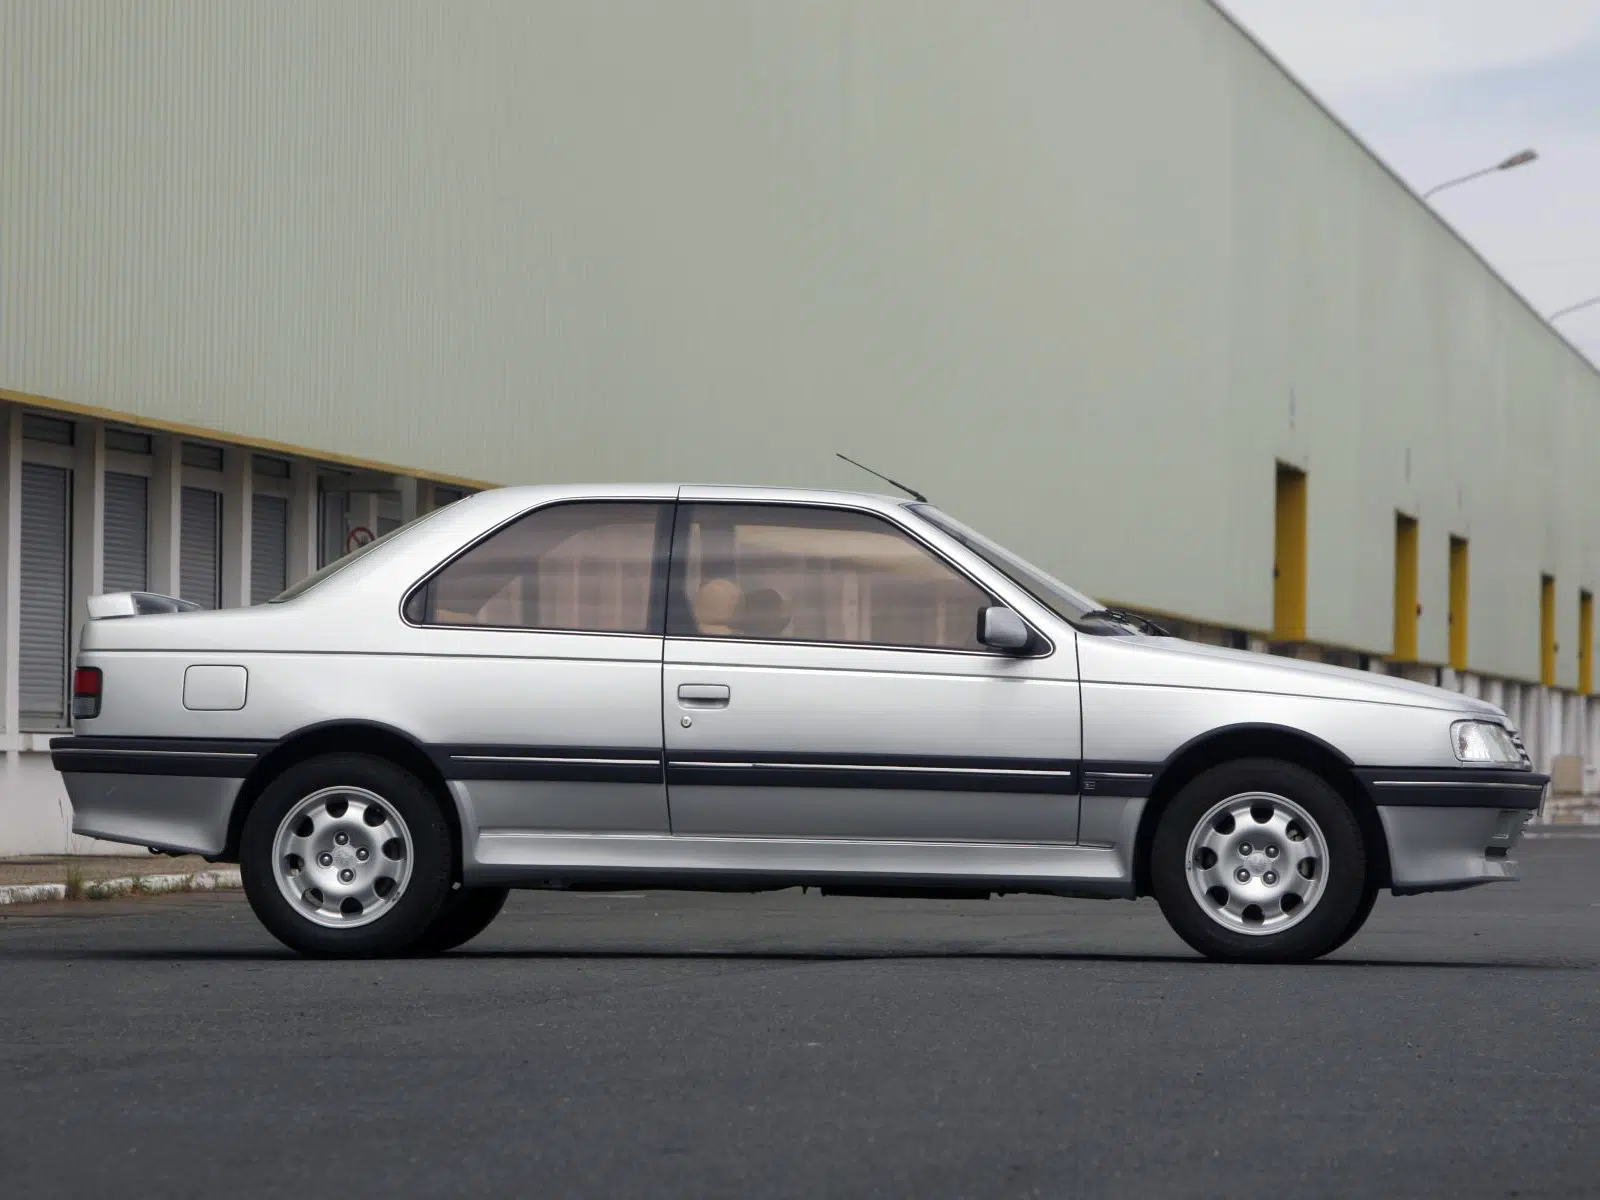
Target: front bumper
(1452, 828)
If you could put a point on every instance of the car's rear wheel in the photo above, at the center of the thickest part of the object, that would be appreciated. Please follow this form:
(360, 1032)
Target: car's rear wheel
(467, 912)
(346, 856)
(1260, 861)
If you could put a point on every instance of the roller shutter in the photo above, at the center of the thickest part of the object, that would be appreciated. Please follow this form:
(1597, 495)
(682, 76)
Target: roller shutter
(127, 533)
(269, 547)
(200, 547)
(46, 588)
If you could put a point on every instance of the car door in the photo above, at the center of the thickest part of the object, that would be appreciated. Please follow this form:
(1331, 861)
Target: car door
(544, 648)
(823, 679)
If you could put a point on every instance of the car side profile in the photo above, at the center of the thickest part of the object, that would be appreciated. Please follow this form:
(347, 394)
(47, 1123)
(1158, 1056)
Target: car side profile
(748, 689)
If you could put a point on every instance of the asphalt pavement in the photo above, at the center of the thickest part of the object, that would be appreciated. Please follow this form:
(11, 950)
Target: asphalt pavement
(795, 1045)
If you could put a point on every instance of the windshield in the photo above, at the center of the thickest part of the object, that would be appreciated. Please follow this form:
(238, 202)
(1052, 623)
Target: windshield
(339, 564)
(1069, 605)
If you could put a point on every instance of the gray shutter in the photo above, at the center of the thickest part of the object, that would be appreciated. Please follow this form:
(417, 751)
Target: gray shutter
(269, 547)
(199, 547)
(46, 586)
(127, 532)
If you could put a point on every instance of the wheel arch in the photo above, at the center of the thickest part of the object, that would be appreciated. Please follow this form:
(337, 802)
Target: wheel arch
(344, 737)
(1233, 742)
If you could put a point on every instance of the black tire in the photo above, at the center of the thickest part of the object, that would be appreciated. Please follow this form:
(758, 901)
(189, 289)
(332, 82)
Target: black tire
(467, 912)
(1369, 898)
(403, 920)
(1333, 918)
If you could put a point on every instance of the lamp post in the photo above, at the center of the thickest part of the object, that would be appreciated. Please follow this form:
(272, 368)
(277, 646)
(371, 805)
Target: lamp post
(1572, 308)
(1519, 159)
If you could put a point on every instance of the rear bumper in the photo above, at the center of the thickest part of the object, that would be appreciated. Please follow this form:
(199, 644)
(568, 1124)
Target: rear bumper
(185, 814)
(173, 795)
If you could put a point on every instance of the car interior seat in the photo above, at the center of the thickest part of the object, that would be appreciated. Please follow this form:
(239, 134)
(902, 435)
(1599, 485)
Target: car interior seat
(763, 614)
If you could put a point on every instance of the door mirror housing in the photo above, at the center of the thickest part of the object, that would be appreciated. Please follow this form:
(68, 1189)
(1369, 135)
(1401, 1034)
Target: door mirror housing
(1000, 628)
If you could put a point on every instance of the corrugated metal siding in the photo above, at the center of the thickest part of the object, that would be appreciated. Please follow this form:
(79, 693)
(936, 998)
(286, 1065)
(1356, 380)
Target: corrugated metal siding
(46, 586)
(269, 547)
(127, 533)
(200, 547)
(702, 240)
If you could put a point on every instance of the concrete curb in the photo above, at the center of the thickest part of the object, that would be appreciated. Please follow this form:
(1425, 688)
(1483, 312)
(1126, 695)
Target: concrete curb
(107, 889)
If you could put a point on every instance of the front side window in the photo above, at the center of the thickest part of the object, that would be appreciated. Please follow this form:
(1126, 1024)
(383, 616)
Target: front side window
(588, 567)
(793, 573)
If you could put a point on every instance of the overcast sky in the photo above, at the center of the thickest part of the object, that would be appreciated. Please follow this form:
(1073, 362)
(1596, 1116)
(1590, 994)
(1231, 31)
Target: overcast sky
(1439, 88)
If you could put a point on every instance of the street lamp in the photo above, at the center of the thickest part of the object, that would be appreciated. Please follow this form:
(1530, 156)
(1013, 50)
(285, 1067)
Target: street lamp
(1519, 159)
(1572, 308)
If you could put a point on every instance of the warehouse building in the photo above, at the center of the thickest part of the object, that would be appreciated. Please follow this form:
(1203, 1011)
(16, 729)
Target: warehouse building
(1103, 280)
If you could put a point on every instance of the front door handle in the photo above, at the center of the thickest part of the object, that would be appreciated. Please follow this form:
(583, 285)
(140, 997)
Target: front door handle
(703, 695)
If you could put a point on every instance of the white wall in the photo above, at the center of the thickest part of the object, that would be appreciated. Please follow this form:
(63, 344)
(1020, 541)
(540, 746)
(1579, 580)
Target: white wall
(1082, 271)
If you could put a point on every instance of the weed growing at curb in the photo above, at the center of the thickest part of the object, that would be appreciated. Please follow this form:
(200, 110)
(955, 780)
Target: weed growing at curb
(74, 884)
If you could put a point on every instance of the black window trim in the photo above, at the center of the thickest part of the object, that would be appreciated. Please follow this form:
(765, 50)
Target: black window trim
(660, 569)
(1043, 640)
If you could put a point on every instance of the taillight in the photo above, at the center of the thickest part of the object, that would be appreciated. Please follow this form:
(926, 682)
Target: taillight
(86, 685)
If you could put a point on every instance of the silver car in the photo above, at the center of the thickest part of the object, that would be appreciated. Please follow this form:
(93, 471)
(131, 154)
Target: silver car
(742, 689)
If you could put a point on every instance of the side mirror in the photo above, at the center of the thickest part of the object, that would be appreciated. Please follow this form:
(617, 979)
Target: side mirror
(1000, 628)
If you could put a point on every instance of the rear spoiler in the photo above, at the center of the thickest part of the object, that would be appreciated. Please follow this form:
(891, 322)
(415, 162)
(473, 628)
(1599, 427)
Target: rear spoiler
(136, 604)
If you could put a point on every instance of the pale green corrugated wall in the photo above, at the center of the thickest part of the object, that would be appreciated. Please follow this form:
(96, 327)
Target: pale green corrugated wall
(1081, 270)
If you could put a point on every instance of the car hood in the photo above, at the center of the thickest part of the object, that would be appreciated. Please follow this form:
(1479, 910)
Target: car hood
(1172, 662)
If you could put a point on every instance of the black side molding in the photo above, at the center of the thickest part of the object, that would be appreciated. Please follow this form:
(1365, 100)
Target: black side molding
(550, 764)
(1452, 787)
(191, 757)
(928, 773)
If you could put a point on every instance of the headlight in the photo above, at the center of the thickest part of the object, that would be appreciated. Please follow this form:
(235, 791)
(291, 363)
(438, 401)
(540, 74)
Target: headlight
(1484, 742)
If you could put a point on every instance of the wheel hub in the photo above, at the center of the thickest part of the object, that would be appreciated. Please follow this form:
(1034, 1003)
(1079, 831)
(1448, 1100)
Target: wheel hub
(342, 857)
(1257, 863)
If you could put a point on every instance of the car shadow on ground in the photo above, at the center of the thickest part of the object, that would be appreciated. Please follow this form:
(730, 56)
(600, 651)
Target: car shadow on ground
(467, 955)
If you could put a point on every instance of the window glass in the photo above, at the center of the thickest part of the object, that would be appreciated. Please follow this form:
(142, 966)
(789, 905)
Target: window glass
(585, 567)
(793, 573)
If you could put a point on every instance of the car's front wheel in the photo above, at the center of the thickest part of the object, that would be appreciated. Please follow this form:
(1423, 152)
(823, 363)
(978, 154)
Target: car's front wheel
(346, 856)
(1260, 861)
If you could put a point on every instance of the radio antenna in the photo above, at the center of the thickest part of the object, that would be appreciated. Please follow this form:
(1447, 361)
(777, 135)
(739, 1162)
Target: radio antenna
(912, 492)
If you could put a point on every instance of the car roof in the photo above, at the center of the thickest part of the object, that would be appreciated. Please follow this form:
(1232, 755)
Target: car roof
(533, 493)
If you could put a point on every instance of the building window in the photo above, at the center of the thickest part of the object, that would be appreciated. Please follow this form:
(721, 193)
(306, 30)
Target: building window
(585, 567)
(127, 533)
(127, 441)
(52, 431)
(269, 547)
(790, 573)
(200, 547)
(46, 553)
(271, 468)
(201, 456)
